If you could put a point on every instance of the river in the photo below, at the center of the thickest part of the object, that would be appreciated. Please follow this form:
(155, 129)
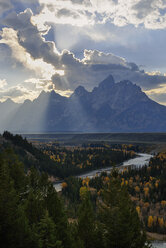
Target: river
(141, 160)
(158, 244)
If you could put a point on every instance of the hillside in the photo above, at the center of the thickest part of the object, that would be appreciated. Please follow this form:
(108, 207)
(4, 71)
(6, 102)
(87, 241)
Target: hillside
(61, 162)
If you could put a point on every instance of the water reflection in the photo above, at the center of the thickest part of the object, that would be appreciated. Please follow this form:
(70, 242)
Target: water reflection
(159, 244)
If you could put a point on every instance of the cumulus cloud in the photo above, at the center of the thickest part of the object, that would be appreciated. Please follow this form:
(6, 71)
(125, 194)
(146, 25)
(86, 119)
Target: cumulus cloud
(150, 13)
(17, 93)
(29, 89)
(27, 1)
(3, 83)
(41, 68)
(66, 71)
(31, 38)
(89, 71)
(63, 71)
(158, 94)
(97, 57)
(96, 65)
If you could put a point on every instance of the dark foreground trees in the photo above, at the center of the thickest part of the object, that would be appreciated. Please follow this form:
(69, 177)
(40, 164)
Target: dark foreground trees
(32, 214)
(119, 220)
(116, 224)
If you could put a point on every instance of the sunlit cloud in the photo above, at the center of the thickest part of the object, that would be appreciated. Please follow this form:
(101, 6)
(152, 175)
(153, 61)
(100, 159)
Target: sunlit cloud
(60, 72)
(29, 89)
(153, 73)
(160, 90)
(97, 57)
(65, 93)
(150, 13)
(17, 93)
(3, 83)
(158, 94)
(62, 16)
(41, 68)
(26, 34)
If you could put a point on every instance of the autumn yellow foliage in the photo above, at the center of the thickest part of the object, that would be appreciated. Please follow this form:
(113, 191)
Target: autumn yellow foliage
(138, 209)
(64, 185)
(83, 192)
(163, 204)
(137, 189)
(150, 221)
(161, 222)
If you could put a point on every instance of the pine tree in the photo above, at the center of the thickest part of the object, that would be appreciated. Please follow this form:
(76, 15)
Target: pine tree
(14, 228)
(119, 218)
(57, 213)
(86, 222)
(47, 233)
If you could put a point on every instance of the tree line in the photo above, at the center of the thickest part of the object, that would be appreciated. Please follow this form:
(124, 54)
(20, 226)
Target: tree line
(33, 215)
(63, 163)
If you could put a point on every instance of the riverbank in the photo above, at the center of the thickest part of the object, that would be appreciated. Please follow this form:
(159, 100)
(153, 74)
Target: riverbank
(156, 236)
(139, 161)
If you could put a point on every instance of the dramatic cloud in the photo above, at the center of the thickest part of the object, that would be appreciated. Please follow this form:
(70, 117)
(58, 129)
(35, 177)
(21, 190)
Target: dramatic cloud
(31, 48)
(27, 1)
(29, 89)
(158, 94)
(150, 13)
(41, 68)
(97, 57)
(66, 71)
(17, 93)
(3, 83)
(31, 38)
(95, 66)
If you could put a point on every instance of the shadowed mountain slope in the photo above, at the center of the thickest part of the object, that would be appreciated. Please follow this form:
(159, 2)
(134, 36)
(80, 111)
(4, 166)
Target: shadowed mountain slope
(110, 107)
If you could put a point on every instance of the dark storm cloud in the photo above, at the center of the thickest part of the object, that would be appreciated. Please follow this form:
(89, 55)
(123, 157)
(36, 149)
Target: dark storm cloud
(5, 5)
(31, 38)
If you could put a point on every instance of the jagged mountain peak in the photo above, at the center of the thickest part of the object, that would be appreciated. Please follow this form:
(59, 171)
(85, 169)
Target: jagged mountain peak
(53, 93)
(110, 107)
(128, 83)
(107, 83)
(80, 91)
(27, 101)
(9, 101)
(47, 93)
(42, 93)
(47, 96)
(127, 88)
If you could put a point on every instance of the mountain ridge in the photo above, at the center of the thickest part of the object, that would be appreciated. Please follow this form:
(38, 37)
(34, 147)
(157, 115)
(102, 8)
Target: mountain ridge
(110, 107)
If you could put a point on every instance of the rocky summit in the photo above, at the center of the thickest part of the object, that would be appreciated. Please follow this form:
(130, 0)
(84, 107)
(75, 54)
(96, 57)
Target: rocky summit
(110, 107)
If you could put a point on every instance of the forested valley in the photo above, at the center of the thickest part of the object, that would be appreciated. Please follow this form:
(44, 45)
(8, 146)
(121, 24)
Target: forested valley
(112, 211)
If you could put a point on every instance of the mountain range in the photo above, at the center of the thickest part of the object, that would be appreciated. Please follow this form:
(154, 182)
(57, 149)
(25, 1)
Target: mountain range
(110, 107)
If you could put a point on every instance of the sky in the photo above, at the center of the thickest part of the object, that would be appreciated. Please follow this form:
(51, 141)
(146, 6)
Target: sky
(61, 44)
